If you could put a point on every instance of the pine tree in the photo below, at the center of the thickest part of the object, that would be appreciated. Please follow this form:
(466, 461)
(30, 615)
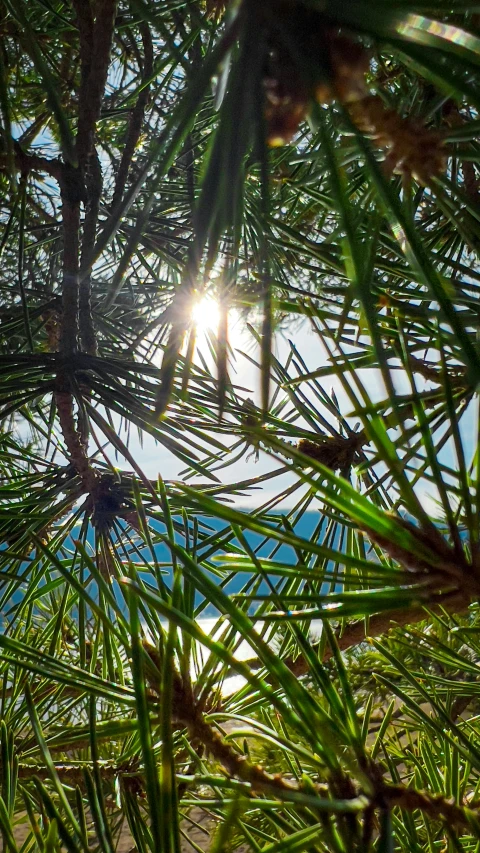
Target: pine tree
(304, 164)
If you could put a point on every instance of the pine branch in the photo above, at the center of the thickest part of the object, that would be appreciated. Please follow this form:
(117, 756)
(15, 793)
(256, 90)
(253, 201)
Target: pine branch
(94, 185)
(435, 806)
(71, 268)
(386, 795)
(95, 46)
(95, 66)
(85, 24)
(76, 444)
(356, 633)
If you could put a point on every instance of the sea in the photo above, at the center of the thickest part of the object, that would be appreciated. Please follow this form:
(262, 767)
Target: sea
(207, 616)
(263, 547)
(208, 619)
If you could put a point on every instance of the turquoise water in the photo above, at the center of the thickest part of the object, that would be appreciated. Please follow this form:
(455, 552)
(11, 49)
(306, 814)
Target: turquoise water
(12, 592)
(304, 528)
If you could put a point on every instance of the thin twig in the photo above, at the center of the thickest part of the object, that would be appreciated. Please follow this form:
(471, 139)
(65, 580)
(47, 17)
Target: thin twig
(386, 795)
(436, 806)
(72, 193)
(377, 626)
(136, 117)
(26, 163)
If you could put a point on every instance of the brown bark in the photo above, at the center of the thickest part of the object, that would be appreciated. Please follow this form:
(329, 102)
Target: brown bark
(26, 163)
(95, 66)
(85, 22)
(94, 185)
(70, 283)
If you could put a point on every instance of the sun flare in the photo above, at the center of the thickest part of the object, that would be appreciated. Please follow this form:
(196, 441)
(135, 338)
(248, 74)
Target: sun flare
(205, 317)
(206, 314)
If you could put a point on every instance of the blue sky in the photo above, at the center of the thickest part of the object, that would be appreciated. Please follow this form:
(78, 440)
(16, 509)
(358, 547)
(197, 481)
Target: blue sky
(156, 460)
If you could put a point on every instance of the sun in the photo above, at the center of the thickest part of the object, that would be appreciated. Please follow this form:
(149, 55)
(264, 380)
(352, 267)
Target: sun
(206, 314)
(205, 318)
